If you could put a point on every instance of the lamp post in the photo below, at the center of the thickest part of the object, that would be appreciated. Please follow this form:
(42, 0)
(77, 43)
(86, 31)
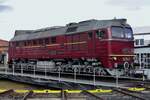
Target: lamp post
(59, 73)
(21, 65)
(6, 70)
(75, 74)
(13, 69)
(94, 76)
(116, 65)
(45, 71)
(34, 70)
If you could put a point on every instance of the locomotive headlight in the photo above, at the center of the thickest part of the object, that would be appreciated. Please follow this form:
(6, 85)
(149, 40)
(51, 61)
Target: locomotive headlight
(114, 58)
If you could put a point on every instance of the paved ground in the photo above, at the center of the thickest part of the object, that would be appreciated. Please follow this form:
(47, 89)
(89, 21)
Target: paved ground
(6, 84)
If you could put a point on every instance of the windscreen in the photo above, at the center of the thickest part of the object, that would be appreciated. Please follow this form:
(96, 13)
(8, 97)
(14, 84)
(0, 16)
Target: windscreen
(120, 32)
(128, 33)
(117, 32)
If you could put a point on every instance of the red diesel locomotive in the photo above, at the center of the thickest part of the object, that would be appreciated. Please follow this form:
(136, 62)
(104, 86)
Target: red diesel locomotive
(85, 46)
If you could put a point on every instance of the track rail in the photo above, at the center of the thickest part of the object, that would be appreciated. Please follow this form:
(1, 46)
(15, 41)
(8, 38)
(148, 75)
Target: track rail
(27, 95)
(93, 95)
(73, 94)
(7, 92)
(126, 92)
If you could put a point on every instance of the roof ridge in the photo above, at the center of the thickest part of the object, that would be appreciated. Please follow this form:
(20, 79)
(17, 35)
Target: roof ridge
(3, 40)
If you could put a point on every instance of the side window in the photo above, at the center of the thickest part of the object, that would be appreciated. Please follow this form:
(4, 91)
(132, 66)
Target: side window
(21, 44)
(53, 40)
(28, 43)
(17, 44)
(41, 42)
(100, 34)
(47, 41)
(90, 35)
(25, 43)
(34, 42)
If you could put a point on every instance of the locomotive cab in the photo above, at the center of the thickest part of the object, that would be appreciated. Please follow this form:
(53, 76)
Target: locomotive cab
(115, 44)
(120, 47)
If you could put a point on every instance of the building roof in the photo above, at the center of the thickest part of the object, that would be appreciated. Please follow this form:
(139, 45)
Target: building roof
(141, 30)
(3, 43)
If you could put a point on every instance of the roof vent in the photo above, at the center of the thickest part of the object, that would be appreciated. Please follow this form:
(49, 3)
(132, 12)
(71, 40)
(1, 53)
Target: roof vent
(87, 21)
(71, 24)
(71, 29)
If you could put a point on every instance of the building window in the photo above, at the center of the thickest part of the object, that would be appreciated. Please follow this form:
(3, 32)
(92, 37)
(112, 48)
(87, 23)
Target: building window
(136, 42)
(139, 42)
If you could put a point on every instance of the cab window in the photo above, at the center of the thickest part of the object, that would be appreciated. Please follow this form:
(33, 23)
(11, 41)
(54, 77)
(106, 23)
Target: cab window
(117, 32)
(90, 35)
(122, 32)
(128, 33)
(100, 34)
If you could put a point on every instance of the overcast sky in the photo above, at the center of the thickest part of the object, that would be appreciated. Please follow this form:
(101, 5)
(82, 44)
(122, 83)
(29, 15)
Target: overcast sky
(34, 14)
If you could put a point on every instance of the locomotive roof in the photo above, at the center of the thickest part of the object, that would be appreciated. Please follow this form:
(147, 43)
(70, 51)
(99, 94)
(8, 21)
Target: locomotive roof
(70, 28)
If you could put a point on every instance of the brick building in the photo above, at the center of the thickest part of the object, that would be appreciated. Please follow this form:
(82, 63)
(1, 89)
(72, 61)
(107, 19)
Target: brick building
(3, 51)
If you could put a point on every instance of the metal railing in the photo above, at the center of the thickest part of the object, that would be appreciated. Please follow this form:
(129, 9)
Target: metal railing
(45, 71)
